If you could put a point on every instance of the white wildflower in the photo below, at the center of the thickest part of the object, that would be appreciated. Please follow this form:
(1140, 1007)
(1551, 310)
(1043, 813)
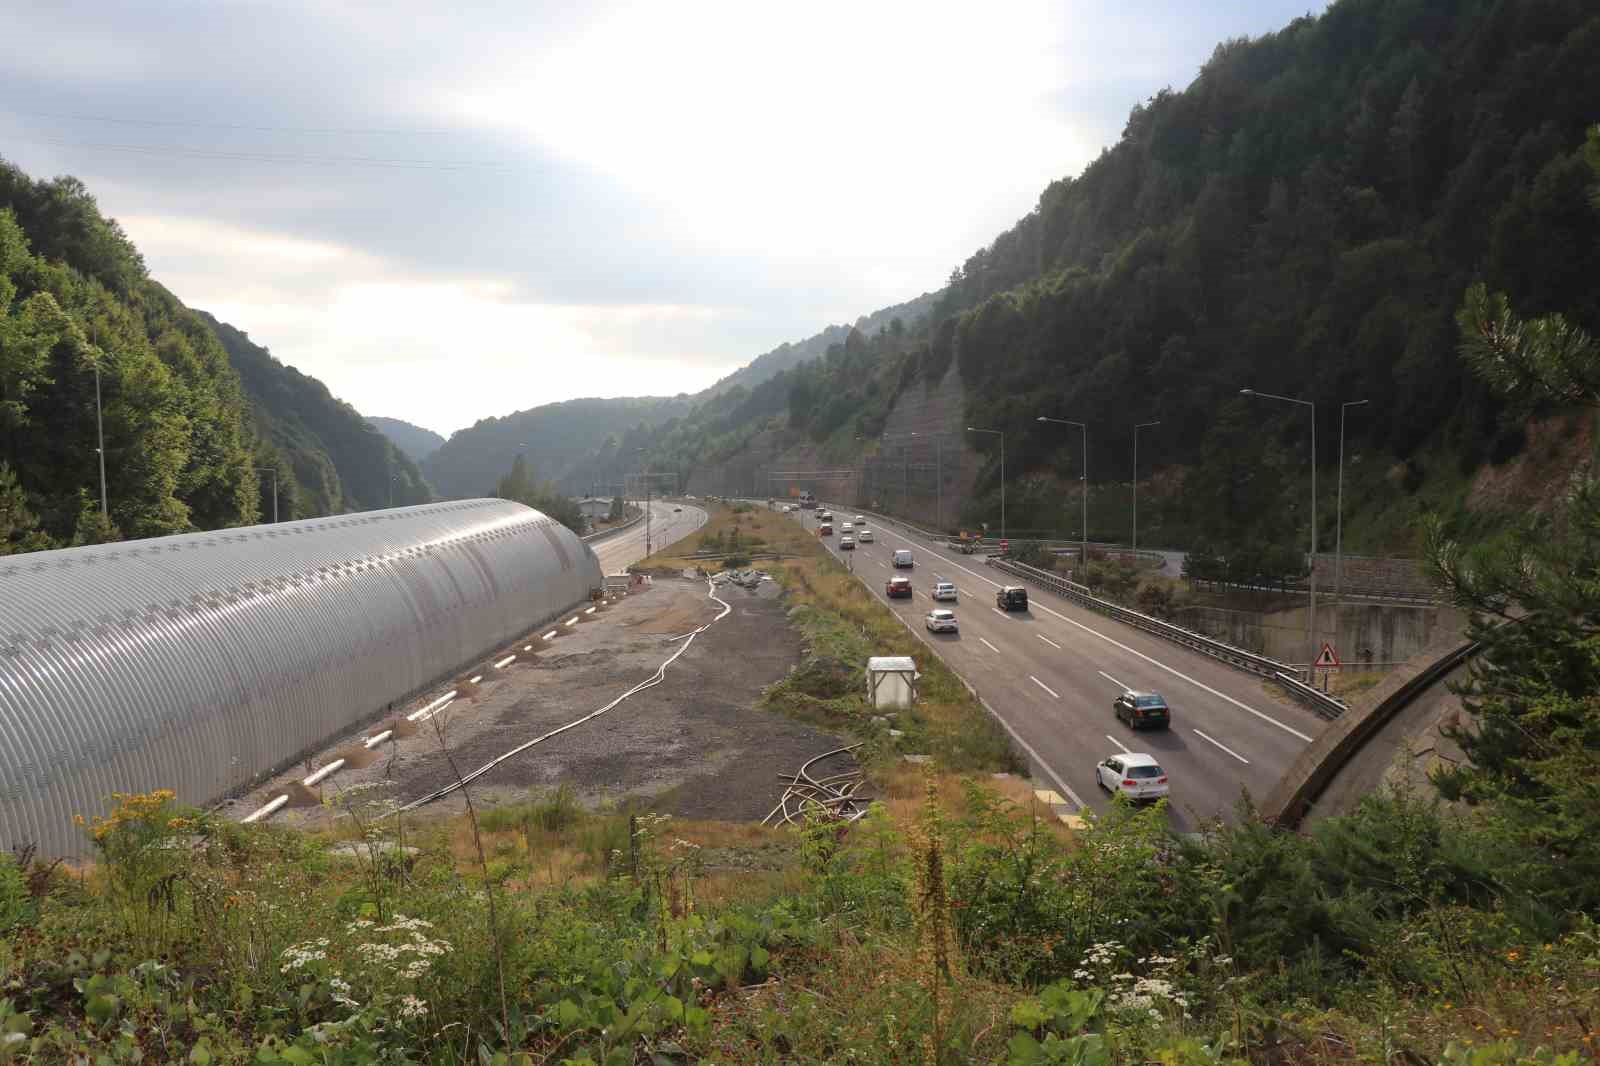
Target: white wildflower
(412, 1007)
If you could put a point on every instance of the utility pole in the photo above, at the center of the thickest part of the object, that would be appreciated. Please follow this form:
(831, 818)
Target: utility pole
(1136, 429)
(1311, 614)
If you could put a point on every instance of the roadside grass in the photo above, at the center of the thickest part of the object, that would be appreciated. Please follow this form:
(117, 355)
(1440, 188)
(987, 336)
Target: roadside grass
(843, 625)
(756, 528)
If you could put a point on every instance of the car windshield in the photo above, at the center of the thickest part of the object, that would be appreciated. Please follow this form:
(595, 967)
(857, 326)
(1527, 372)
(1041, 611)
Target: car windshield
(1144, 771)
(1150, 701)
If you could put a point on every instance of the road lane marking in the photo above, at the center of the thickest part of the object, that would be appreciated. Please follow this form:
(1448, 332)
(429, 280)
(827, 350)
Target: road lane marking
(1113, 680)
(991, 647)
(999, 612)
(1044, 686)
(1048, 641)
(1125, 749)
(1154, 662)
(1224, 747)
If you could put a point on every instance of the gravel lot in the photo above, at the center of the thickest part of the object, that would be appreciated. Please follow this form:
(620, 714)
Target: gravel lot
(695, 744)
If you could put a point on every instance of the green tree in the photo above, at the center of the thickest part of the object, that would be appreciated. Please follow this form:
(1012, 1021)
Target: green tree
(522, 486)
(1533, 594)
(19, 530)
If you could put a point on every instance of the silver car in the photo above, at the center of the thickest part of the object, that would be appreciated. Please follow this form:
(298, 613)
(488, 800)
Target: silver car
(941, 620)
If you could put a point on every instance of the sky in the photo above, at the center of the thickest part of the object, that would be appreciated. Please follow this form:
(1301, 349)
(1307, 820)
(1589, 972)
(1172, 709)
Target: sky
(451, 212)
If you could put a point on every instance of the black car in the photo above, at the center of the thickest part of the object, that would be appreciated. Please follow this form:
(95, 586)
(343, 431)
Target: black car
(1143, 710)
(1011, 598)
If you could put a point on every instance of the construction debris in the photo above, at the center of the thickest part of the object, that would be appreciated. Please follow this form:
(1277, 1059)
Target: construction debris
(835, 797)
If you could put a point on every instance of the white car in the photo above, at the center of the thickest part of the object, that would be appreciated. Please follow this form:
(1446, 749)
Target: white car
(902, 559)
(1135, 774)
(941, 620)
(943, 590)
(864, 535)
(848, 527)
(847, 543)
(860, 518)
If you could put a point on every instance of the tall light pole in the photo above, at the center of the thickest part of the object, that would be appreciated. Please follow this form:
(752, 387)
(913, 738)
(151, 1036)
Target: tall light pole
(1338, 535)
(938, 476)
(1311, 615)
(649, 544)
(1002, 436)
(100, 432)
(1083, 559)
(274, 472)
(1136, 429)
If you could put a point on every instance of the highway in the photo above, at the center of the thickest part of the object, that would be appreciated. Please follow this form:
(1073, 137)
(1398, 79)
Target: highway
(1051, 673)
(669, 522)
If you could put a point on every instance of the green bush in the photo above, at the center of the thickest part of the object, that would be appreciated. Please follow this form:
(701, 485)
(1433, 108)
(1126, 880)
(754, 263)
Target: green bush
(17, 907)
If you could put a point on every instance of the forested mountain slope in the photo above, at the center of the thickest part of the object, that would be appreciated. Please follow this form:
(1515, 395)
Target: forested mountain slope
(74, 295)
(415, 441)
(567, 444)
(1302, 219)
(330, 460)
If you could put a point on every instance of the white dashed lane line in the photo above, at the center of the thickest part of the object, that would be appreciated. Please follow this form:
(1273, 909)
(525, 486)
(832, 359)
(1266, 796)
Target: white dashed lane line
(1125, 749)
(1133, 651)
(991, 647)
(1113, 680)
(1224, 747)
(1044, 686)
(1048, 641)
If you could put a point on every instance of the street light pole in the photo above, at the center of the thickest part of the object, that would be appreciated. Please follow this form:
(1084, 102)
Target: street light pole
(100, 432)
(1338, 535)
(1136, 429)
(1002, 436)
(1311, 615)
(1083, 558)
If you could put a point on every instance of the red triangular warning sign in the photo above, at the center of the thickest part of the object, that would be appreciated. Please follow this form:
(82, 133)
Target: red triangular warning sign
(1327, 658)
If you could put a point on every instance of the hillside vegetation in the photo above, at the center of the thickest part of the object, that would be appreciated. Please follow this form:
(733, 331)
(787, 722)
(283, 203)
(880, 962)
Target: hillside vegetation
(74, 296)
(338, 461)
(415, 441)
(1302, 219)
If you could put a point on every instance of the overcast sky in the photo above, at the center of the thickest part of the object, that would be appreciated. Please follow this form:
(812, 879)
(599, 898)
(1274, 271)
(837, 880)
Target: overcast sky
(447, 212)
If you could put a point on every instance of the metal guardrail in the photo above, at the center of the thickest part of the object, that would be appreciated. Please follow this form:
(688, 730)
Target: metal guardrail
(1216, 649)
(588, 537)
(1325, 705)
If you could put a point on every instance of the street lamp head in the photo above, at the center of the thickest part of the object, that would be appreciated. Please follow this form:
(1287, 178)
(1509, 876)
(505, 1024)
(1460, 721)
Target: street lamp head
(1247, 392)
(1355, 403)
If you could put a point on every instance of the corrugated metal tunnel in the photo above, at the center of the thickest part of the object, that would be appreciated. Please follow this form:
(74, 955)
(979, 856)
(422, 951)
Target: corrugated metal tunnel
(202, 661)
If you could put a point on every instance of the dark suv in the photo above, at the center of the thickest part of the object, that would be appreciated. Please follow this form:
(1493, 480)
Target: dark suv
(1011, 598)
(1143, 710)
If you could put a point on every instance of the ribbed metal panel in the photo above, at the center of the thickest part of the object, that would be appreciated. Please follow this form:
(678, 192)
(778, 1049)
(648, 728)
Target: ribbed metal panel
(201, 661)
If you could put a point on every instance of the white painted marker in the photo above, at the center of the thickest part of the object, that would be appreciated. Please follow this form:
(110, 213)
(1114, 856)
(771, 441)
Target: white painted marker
(1224, 747)
(1118, 743)
(1048, 641)
(991, 647)
(1044, 686)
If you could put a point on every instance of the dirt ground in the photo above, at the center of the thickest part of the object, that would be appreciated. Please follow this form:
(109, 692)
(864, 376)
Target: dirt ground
(695, 746)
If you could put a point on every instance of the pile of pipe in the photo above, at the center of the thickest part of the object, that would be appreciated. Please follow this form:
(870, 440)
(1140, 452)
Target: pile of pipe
(830, 798)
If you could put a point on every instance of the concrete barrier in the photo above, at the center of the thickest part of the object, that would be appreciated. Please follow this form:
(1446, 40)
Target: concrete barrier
(1303, 783)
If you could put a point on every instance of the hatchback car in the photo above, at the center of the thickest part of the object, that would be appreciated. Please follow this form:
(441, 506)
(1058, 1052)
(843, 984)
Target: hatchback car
(944, 590)
(848, 527)
(1135, 774)
(941, 620)
(860, 518)
(847, 543)
(1142, 710)
(898, 587)
(864, 535)
(825, 530)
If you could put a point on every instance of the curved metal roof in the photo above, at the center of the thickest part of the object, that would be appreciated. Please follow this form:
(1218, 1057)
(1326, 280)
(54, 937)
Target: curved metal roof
(200, 662)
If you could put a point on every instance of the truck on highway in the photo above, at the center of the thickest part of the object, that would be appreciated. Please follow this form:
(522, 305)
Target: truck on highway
(808, 501)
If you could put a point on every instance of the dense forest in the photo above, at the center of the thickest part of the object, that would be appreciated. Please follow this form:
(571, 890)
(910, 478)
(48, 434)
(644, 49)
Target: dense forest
(566, 442)
(197, 419)
(1302, 219)
(414, 440)
(78, 313)
(329, 459)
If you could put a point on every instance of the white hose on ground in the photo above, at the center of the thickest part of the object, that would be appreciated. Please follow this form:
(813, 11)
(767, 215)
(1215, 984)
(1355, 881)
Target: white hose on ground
(650, 682)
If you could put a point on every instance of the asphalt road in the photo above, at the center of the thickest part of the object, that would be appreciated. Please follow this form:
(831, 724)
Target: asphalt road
(1051, 673)
(669, 522)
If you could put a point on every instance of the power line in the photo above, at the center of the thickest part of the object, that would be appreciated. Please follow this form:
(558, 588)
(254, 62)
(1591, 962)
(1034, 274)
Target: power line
(181, 152)
(357, 130)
